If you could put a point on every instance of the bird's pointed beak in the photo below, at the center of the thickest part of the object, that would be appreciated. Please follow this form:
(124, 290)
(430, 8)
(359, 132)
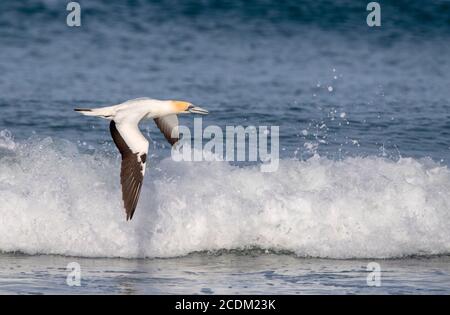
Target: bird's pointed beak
(198, 110)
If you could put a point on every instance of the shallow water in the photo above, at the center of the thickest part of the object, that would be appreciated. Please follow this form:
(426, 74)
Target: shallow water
(364, 119)
(227, 273)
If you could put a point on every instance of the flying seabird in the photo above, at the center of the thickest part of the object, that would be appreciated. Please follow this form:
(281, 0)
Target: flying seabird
(132, 144)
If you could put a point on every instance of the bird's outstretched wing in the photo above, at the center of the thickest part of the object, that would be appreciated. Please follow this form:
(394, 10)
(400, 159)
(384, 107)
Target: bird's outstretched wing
(169, 127)
(134, 148)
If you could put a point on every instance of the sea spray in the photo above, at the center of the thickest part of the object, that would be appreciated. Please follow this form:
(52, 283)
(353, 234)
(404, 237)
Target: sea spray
(56, 200)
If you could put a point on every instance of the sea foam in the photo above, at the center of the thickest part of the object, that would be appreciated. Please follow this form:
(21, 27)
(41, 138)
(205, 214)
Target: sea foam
(56, 200)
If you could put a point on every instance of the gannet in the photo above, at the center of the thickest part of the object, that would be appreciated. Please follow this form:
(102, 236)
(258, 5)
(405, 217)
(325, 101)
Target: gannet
(132, 144)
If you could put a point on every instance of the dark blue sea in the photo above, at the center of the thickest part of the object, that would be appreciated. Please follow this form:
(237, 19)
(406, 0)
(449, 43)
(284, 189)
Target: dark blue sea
(364, 133)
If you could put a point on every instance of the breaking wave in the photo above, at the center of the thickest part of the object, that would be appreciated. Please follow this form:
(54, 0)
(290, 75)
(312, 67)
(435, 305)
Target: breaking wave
(55, 199)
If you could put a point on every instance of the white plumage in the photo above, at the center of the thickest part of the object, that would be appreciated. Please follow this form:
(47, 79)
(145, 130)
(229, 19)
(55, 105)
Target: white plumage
(132, 144)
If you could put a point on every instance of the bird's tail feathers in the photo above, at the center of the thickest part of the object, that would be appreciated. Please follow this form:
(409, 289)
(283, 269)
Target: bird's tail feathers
(104, 112)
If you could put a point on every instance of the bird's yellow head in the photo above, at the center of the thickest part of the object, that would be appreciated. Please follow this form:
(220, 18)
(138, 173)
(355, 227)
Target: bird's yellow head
(182, 107)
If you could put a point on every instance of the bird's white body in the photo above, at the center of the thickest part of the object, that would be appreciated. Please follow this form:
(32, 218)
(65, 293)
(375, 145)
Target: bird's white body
(129, 114)
(134, 110)
(132, 144)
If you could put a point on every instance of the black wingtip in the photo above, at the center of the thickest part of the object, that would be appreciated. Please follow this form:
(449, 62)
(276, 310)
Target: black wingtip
(83, 110)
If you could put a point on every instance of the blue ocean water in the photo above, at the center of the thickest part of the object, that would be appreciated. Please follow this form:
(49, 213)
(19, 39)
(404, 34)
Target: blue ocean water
(248, 62)
(364, 131)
